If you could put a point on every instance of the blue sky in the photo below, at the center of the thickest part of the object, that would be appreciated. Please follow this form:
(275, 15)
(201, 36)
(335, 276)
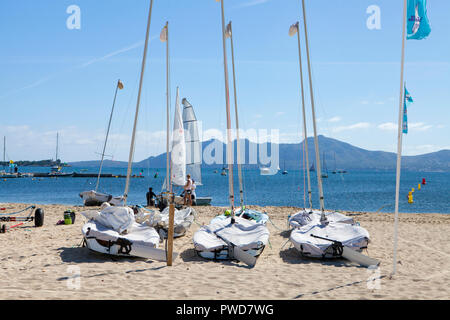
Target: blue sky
(58, 80)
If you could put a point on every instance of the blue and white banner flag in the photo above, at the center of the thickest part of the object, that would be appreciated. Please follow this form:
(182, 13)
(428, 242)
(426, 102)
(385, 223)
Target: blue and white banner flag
(408, 101)
(418, 26)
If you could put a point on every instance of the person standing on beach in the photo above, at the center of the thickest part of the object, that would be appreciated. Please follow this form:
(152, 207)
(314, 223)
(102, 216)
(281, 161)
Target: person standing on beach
(187, 190)
(150, 195)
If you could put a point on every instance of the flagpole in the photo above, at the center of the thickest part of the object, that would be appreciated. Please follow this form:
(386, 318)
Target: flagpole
(304, 117)
(238, 142)
(316, 142)
(227, 97)
(399, 138)
(130, 158)
(106, 138)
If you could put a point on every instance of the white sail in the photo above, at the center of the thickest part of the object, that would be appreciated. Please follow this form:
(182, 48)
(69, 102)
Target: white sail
(193, 143)
(178, 154)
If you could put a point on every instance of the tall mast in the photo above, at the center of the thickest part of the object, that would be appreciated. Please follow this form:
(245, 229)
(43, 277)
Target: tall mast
(130, 158)
(399, 140)
(227, 97)
(316, 141)
(305, 134)
(57, 142)
(107, 133)
(238, 142)
(4, 151)
(168, 179)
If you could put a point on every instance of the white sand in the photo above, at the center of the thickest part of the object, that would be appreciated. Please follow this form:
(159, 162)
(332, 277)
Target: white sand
(37, 263)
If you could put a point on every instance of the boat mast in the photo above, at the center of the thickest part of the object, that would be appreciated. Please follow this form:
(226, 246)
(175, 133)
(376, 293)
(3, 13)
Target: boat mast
(106, 138)
(399, 138)
(227, 97)
(238, 142)
(305, 134)
(316, 141)
(130, 158)
(168, 177)
(57, 142)
(4, 152)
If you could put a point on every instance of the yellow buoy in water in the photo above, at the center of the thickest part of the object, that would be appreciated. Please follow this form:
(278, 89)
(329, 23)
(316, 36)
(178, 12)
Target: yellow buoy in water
(412, 189)
(410, 199)
(418, 186)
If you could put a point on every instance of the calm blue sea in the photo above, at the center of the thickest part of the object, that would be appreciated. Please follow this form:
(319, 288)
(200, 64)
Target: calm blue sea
(358, 191)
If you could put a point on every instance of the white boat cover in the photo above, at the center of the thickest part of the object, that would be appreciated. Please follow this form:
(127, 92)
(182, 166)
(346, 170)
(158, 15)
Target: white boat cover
(246, 213)
(119, 219)
(304, 217)
(113, 230)
(93, 198)
(182, 219)
(352, 236)
(103, 239)
(245, 234)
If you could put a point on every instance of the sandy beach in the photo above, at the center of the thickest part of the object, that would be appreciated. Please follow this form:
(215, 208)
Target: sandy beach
(39, 263)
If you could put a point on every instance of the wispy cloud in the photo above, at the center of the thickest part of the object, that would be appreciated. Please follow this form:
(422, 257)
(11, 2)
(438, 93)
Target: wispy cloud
(413, 126)
(112, 54)
(251, 3)
(356, 126)
(80, 66)
(334, 119)
(387, 126)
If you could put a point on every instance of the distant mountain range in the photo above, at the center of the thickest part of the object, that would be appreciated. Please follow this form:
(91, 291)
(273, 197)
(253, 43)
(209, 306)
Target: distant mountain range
(335, 153)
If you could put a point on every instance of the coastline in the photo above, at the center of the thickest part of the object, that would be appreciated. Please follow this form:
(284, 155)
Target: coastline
(39, 263)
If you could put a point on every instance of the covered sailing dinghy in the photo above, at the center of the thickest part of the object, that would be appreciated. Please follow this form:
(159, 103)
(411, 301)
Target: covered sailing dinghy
(114, 230)
(317, 234)
(232, 238)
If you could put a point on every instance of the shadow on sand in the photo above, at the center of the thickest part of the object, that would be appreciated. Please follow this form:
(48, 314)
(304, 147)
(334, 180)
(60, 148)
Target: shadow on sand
(293, 256)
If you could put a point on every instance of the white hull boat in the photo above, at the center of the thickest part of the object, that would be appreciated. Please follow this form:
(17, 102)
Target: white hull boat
(114, 231)
(216, 240)
(94, 198)
(310, 241)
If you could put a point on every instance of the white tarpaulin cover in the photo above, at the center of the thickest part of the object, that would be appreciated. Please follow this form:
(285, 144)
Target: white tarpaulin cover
(120, 219)
(303, 218)
(243, 233)
(140, 235)
(352, 236)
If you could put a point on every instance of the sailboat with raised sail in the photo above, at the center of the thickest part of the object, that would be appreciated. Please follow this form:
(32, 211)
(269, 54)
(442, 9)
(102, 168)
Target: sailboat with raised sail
(233, 238)
(114, 230)
(321, 234)
(193, 150)
(93, 197)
